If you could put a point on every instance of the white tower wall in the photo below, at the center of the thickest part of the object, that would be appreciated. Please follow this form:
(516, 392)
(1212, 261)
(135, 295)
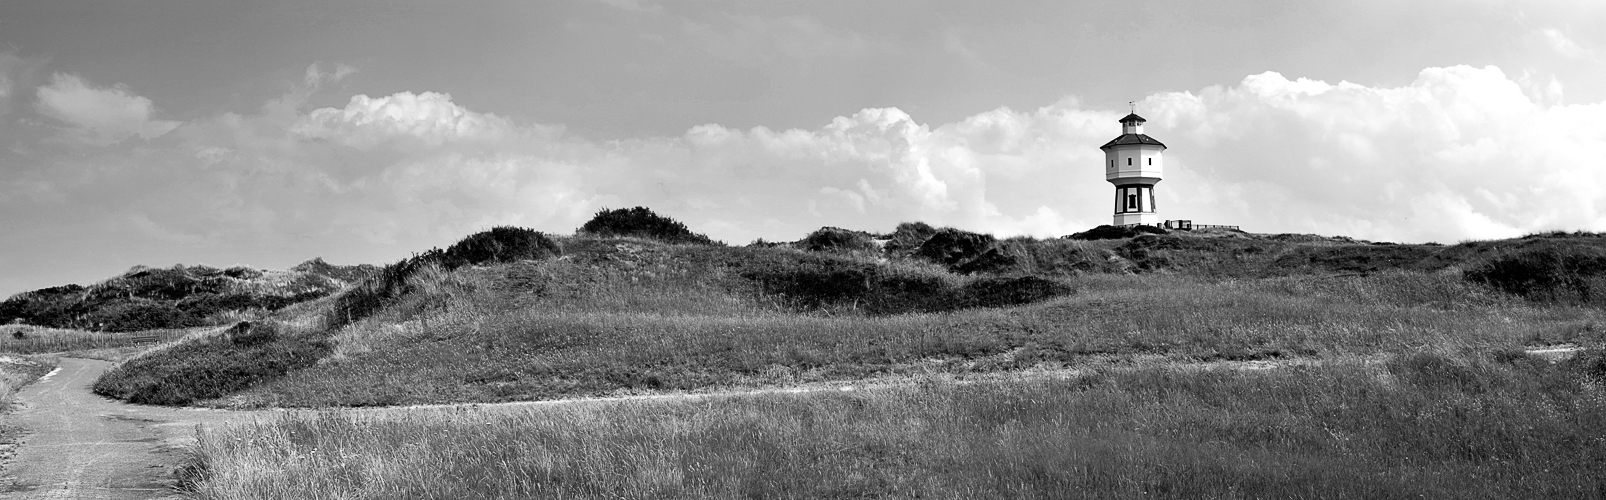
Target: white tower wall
(1134, 163)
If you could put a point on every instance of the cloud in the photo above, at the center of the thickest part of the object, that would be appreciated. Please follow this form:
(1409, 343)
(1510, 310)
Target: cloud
(316, 76)
(1560, 43)
(99, 116)
(1459, 153)
(430, 119)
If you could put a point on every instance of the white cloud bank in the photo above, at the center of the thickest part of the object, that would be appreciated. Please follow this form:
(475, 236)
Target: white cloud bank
(1460, 153)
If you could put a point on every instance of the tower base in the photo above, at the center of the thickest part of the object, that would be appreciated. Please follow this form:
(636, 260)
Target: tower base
(1128, 219)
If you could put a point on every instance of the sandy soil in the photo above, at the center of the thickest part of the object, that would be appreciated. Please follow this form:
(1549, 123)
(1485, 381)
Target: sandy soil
(82, 446)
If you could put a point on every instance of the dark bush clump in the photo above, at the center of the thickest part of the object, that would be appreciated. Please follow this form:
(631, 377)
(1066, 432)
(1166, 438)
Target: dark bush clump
(201, 370)
(1108, 232)
(966, 252)
(835, 239)
(641, 223)
(500, 244)
(908, 237)
(58, 306)
(1570, 274)
(140, 314)
(836, 283)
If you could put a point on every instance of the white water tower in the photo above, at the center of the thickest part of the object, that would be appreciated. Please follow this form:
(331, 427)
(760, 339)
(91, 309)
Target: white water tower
(1133, 163)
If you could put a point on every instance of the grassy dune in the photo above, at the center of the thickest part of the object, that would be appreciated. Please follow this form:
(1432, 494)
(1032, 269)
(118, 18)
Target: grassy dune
(1410, 381)
(1429, 424)
(503, 334)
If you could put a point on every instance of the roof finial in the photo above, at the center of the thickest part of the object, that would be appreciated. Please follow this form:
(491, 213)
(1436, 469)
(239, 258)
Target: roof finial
(1133, 105)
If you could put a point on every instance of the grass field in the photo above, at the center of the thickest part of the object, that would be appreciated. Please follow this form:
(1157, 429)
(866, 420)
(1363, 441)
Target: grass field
(46, 340)
(1400, 371)
(477, 338)
(1434, 424)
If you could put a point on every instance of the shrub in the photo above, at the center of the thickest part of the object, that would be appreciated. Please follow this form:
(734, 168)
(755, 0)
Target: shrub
(194, 371)
(825, 282)
(880, 289)
(908, 237)
(1108, 232)
(500, 244)
(641, 222)
(835, 239)
(141, 314)
(1548, 273)
(965, 252)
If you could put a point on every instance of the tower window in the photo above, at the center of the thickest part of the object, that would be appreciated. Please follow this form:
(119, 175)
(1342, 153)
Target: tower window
(1151, 161)
(1128, 161)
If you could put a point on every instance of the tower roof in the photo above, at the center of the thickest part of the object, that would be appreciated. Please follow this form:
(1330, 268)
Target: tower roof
(1132, 118)
(1126, 139)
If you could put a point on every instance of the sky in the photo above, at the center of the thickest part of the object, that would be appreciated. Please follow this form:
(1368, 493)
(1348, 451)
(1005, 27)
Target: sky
(144, 132)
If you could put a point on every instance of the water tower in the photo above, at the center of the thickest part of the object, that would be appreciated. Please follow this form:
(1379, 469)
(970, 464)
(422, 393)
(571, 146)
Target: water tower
(1133, 163)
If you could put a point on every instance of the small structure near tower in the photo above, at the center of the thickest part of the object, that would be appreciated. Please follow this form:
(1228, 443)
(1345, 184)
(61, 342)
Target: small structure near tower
(1133, 163)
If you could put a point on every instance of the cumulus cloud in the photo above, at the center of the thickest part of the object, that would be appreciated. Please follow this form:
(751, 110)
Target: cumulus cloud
(1459, 153)
(99, 115)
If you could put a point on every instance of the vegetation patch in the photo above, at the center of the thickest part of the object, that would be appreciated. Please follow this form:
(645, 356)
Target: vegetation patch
(1418, 426)
(499, 245)
(246, 355)
(835, 239)
(1108, 232)
(147, 298)
(1553, 272)
(640, 222)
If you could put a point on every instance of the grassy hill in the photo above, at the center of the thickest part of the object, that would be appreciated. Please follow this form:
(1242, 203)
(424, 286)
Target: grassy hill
(1102, 363)
(146, 298)
(513, 314)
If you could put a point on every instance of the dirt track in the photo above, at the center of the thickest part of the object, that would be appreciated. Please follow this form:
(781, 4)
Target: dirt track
(80, 445)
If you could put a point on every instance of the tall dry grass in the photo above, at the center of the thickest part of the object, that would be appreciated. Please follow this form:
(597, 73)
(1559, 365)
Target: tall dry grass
(519, 333)
(45, 340)
(1432, 423)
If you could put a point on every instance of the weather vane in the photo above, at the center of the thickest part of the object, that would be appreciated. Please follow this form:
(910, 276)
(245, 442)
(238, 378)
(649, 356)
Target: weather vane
(1133, 105)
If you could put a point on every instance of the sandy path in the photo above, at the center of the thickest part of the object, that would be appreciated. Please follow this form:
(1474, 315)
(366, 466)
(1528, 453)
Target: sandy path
(83, 446)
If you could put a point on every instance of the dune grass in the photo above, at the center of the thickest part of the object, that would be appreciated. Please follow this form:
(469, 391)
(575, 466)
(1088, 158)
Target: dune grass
(515, 333)
(44, 340)
(1426, 423)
